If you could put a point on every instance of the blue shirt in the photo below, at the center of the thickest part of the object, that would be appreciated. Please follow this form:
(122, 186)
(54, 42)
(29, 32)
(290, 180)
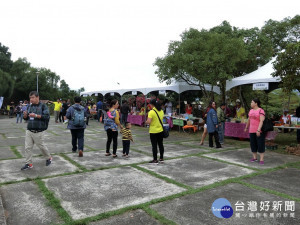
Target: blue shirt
(99, 105)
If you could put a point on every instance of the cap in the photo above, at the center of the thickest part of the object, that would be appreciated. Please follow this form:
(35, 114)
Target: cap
(238, 100)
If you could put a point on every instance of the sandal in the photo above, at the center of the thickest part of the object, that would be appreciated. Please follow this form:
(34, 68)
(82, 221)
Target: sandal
(115, 156)
(107, 154)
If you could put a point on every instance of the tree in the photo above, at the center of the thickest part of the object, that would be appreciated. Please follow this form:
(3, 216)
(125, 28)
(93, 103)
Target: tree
(5, 59)
(287, 67)
(6, 84)
(202, 57)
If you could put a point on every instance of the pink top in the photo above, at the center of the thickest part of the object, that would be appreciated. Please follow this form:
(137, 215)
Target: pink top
(254, 117)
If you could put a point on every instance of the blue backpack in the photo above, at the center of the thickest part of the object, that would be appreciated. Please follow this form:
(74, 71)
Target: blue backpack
(78, 117)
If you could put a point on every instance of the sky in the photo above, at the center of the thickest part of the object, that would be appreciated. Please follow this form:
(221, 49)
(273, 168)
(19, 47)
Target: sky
(101, 45)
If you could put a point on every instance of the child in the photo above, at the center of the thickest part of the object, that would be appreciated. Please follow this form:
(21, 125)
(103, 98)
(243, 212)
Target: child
(127, 137)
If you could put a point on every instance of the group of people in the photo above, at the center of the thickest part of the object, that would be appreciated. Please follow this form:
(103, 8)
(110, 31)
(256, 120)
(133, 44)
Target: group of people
(215, 121)
(37, 114)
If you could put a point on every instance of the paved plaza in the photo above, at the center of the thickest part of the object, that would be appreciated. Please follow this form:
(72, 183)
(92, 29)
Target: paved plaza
(100, 190)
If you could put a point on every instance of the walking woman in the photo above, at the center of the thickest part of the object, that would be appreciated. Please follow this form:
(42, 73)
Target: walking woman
(257, 137)
(205, 125)
(111, 127)
(212, 125)
(156, 130)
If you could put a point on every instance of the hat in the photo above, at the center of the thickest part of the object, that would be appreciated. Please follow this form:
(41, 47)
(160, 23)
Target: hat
(238, 100)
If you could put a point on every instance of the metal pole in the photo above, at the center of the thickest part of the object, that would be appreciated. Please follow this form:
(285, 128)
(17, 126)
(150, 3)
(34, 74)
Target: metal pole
(37, 82)
(179, 112)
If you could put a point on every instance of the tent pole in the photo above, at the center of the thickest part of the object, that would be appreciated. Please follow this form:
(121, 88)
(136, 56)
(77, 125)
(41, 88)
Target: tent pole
(179, 111)
(145, 110)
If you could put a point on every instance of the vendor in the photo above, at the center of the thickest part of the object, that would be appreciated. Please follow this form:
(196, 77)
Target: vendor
(285, 119)
(239, 110)
(188, 108)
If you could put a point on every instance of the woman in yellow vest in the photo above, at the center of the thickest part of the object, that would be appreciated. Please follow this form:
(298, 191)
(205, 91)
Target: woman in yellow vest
(156, 130)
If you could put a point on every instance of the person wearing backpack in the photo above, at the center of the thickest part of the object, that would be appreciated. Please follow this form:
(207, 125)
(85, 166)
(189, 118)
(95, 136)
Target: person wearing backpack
(37, 115)
(76, 116)
(18, 111)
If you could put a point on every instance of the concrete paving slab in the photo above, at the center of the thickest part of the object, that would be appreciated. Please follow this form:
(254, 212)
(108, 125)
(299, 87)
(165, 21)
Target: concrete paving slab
(25, 204)
(243, 156)
(97, 159)
(11, 169)
(2, 215)
(129, 218)
(286, 181)
(53, 147)
(195, 209)
(172, 150)
(6, 153)
(205, 145)
(197, 172)
(107, 190)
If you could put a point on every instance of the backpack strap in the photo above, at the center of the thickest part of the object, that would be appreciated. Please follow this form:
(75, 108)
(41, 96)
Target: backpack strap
(159, 119)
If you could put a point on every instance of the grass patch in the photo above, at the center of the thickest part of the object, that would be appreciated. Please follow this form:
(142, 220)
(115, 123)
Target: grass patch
(158, 216)
(3, 135)
(16, 152)
(53, 201)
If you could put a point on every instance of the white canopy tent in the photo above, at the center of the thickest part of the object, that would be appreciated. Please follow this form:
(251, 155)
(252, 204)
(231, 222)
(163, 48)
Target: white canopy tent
(177, 87)
(261, 75)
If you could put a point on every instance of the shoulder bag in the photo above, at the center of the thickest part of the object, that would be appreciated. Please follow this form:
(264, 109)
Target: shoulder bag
(165, 130)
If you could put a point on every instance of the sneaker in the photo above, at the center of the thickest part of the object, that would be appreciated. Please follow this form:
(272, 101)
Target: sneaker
(27, 166)
(48, 161)
(161, 160)
(253, 160)
(261, 162)
(154, 161)
(80, 154)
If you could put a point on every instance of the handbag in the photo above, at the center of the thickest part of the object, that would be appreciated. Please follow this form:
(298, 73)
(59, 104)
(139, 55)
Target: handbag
(165, 130)
(267, 125)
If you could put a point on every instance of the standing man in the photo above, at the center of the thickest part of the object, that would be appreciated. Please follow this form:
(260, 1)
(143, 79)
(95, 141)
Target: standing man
(125, 109)
(57, 108)
(76, 115)
(99, 110)
(221, 119)
(37, 115)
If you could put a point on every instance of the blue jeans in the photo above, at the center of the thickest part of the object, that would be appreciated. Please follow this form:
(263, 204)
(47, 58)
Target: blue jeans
(221, 131)
(126, 146)
(19, 115)
(77, 134)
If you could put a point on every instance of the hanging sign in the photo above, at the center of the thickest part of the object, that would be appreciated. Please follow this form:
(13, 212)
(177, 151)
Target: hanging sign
(162, 92)
(112, 93)
(261, 86)
(134, 93)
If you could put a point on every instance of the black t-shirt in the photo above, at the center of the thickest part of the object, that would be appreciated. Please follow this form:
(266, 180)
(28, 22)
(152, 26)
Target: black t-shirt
(125, 109)
(298, 111)
(65, 107)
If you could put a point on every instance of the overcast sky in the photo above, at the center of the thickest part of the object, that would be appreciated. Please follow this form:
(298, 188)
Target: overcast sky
(96, 44)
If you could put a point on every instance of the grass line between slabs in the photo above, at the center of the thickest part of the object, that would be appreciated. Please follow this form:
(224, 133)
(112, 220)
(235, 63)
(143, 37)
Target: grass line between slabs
(154, 214)
(273, 192)
(53, 201)
(52, 132)
(3, 135)
(168, 180)
(73, 162)
(234, 164)
(15, 151)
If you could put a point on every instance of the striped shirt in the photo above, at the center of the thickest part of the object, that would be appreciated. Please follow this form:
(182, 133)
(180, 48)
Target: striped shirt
(126, 134)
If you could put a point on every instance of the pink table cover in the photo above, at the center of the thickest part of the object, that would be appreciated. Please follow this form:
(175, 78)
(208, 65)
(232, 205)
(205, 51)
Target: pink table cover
(236, 130)
(136, 119)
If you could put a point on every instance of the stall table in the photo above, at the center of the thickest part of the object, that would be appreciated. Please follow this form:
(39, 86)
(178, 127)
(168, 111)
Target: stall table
(136, 119)
(236, 130)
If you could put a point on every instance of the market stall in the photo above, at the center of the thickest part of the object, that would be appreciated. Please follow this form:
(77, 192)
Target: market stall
(233, 129)
(136, 119)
